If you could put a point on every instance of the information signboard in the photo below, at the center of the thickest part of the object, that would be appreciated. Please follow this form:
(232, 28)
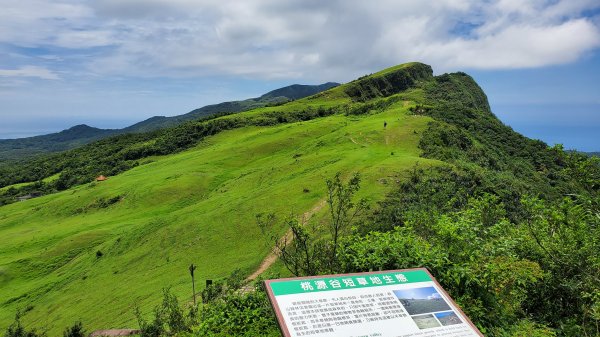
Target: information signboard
(396, 303)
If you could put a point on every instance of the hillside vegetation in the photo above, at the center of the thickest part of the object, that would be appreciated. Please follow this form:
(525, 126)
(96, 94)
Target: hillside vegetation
(14, 150)
(197, 206)
(23, 148)
(508, 225)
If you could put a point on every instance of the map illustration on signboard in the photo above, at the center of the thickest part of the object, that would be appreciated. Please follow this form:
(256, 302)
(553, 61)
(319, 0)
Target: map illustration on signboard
(397, 303)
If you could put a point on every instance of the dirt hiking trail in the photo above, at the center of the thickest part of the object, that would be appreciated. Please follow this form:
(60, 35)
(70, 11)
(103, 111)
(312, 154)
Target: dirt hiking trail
(272, 257)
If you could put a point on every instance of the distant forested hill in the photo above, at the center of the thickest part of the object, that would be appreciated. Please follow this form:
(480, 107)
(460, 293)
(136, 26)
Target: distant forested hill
(23, 148)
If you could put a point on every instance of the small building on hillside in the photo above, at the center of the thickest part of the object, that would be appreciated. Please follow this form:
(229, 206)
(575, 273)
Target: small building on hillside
(101, 178)
(24, 197)
(29, 196)
(115, 332)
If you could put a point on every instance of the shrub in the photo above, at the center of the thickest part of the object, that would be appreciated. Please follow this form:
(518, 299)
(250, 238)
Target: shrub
(169, 318)
(16, 329)
(238, 314)
(75, 331)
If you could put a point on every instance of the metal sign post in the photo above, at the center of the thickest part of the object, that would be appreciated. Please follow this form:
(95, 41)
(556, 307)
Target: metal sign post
(192, 268)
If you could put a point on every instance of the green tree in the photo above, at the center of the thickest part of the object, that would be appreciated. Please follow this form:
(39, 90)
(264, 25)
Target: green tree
(298, 249)
(76, 330)
(169, 318)
(343, 211)
(305, 250)
(16, 329)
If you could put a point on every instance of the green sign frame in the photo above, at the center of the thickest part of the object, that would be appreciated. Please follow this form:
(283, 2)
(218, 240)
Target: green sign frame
(314, 287)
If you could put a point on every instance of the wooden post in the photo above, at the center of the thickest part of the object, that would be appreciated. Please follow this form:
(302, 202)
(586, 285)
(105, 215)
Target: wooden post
(192, 268)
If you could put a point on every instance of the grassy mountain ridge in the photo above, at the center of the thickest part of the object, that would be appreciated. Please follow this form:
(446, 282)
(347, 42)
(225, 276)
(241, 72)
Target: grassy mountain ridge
(201, 184)
(197, 205)
(388, 82)
(110, 156)
(444, 176)
(23, 148)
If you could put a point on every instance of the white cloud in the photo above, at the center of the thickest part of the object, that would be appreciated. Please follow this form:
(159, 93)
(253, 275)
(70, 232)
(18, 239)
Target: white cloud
(30, 71)
(434, 296)
(32, 23)
(80, 39)
(311, 38)
(518, 46)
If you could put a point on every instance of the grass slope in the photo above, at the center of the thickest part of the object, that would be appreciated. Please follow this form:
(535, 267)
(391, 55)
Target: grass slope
(197, 206)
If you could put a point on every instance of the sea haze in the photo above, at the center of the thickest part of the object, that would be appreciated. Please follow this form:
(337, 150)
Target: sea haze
(576, 126)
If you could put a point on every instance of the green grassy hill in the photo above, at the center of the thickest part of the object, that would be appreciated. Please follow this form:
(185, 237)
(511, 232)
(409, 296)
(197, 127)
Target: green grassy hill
(117, 154)
(195, 206)
(507, 224)
(23, 148)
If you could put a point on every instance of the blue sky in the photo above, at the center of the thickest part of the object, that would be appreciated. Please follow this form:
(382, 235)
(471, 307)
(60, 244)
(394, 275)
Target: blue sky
(558, 104)
(111, 63)
(417, 293)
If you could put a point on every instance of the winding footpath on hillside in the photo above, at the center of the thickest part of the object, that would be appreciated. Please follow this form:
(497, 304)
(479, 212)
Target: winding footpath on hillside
(264, 265)
(115, 332)
(272, 257)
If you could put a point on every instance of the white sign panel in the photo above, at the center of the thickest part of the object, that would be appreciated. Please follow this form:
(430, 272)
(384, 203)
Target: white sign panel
(399, 303)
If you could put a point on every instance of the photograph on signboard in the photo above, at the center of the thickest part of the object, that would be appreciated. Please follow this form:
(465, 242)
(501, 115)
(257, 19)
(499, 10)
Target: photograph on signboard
(448, 318)
(426, 321)
(421, 300)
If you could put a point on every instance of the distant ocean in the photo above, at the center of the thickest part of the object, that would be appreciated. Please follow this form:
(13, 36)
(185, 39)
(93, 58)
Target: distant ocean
(576, 126)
